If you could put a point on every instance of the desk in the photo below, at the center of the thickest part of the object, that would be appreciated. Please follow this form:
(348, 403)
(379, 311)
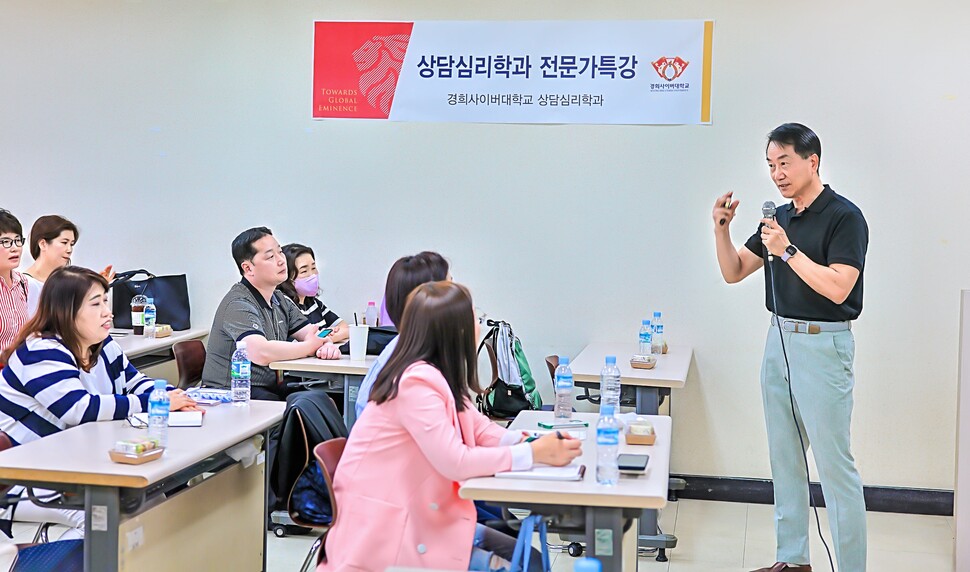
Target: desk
(670, 372)
(352, 372)
(144, 352)
(139, 517)
(602, 509)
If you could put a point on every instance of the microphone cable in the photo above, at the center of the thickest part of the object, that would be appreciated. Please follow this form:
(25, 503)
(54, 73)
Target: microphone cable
(791, 398)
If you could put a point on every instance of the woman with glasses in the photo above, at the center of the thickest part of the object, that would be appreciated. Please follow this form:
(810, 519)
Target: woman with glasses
(395, 486)
(52, 240)
(63, 369)
(13, 285)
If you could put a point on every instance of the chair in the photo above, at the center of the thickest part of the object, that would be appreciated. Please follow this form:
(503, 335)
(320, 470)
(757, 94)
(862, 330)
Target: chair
(42, 528)
(328, 455)
(190, 359)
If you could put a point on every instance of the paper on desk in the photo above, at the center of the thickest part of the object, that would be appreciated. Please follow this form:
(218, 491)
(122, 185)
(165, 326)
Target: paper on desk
(571, 472)
(176, 418)
(574, 433)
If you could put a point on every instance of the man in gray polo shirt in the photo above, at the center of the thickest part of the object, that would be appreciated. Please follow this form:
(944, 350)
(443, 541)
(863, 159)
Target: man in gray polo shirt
(254, 312)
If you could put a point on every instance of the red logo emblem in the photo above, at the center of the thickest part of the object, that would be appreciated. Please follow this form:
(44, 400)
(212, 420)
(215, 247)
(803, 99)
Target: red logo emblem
(670, 68)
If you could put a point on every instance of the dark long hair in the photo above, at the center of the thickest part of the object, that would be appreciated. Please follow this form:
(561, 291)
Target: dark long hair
(438, 327)
(407, 273)
(293, 251)
(61, 298)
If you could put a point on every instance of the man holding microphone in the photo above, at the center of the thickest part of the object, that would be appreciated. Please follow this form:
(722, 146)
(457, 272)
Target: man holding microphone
(815, 248)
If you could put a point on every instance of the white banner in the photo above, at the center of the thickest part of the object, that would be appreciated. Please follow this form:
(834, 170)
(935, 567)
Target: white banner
(600, 72)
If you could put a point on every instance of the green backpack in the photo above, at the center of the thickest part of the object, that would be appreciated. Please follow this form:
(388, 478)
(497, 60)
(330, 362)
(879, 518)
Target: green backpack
(513, 389)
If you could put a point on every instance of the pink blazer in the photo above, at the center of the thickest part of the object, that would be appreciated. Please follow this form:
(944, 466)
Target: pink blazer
(397, 482)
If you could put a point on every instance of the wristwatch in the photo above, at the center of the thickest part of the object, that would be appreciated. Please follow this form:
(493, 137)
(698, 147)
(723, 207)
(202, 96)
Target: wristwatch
(789, 252)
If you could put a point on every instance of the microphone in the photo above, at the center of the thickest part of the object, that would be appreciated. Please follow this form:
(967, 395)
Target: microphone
(727, 205)
(768, 211)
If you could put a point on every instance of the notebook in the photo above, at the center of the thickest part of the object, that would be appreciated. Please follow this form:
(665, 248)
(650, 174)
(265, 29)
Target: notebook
(176, 418)
(572, 472)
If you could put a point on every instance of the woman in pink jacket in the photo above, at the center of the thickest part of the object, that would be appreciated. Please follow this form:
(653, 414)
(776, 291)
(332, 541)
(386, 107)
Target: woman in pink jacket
(396, 485)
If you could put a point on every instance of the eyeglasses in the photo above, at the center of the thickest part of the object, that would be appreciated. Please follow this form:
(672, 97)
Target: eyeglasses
(8, 242)
(480, 315)
(136, 423)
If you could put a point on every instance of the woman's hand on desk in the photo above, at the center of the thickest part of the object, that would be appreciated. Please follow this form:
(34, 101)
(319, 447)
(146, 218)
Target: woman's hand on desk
(553, 449)
(179, 401)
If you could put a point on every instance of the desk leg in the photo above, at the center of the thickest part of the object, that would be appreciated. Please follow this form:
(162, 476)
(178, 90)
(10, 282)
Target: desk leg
(351, 387)
(604, 537)
(648, 403)
(101, 520)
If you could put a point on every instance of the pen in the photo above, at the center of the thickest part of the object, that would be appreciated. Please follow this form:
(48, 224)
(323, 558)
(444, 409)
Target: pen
(558, 434)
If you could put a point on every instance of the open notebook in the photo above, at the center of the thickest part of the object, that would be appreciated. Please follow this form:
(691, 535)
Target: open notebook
(176, 418)
(572, 472)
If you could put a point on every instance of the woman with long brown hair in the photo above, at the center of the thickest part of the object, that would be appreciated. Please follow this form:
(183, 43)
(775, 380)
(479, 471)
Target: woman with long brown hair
(396, 484)
(64, 369)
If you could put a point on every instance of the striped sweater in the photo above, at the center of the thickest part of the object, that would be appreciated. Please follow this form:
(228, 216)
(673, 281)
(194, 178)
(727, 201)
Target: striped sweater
(43, 391)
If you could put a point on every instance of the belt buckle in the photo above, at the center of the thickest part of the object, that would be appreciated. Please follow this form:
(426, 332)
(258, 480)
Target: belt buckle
(790, 326)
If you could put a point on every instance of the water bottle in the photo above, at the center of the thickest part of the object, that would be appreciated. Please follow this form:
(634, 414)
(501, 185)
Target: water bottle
(240, 371)
(151, 316)
(607, 446)
(370, 315)
(646, 334)
(138, 314)
(610, 384)
(564, 390)
(657, 344)
(158, 406)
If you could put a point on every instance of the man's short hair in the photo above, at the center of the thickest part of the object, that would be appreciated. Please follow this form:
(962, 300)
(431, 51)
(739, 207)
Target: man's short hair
(9, 223)
(802, 139)
(243, 248)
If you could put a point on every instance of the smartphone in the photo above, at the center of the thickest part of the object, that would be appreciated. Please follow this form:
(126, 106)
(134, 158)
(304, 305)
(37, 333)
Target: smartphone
(324, 332)
(564, 424)
(632, 463)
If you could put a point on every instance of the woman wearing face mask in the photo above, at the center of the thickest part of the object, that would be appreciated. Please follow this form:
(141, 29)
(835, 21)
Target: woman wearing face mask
(303, 285)
(52, 240)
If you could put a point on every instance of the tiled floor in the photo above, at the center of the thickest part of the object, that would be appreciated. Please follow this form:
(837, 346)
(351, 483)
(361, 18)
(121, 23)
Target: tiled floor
(731, 537)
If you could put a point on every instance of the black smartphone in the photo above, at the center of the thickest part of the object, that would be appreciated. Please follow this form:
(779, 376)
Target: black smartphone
(632, 463)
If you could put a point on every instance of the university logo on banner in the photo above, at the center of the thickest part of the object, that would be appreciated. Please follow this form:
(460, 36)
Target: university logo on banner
(598, 72)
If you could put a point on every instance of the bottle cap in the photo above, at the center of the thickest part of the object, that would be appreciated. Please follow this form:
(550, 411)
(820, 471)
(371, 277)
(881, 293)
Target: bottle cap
(606, 410)
(241, 345)
(645, 322)
(371, 304)
(160, 384)
(656, 314)
(610, 360)
(151, 300)
(563, 360)
(588, 565)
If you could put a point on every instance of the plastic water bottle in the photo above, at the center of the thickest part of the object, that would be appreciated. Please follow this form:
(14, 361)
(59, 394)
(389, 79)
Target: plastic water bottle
(158, 406)
(151, 316)
(657, 344)
(610, 384)
(564, 390)
(370, 315)
(646, 334)
(240, 372)
(607, 446)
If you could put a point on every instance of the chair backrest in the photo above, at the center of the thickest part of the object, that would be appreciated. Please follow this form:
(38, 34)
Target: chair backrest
(552, 362)
(328, 455)
(190, 359)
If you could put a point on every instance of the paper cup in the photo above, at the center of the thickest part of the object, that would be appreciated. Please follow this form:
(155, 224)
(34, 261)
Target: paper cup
(358, 343)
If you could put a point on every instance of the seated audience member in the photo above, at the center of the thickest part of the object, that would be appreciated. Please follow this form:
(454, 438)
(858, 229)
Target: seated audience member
(423, 429)
(14, 290)
(254, 312)
(437, 262)
(63, 369)
(406, 274)
(52, 240)
(302, 286)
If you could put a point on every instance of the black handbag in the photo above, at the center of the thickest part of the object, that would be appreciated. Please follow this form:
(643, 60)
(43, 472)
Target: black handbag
(170, 294)
(377, 340)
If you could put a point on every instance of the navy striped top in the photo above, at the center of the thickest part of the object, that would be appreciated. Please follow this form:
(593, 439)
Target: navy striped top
(43, 391)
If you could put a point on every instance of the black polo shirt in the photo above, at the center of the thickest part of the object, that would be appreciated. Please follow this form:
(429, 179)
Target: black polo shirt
(831, 230)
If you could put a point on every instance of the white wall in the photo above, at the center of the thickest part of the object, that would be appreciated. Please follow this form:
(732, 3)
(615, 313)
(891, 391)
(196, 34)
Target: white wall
(164, 128)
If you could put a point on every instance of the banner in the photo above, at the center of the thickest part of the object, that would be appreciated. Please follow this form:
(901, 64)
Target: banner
(596, 72)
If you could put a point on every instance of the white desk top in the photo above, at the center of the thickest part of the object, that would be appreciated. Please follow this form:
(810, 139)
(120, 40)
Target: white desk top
(670, 371)
(344, 365)
(79, 455)
(644, 491)
(135, 346)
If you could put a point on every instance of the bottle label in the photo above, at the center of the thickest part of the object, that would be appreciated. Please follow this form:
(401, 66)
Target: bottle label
(564, 382)
(607, 437)
(645, 337)
(241, 369)
(137, 319)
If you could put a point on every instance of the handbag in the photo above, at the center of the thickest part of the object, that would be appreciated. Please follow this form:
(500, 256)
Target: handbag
(500, 399)
(523, 544)
(170, 294)
(377, 339)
